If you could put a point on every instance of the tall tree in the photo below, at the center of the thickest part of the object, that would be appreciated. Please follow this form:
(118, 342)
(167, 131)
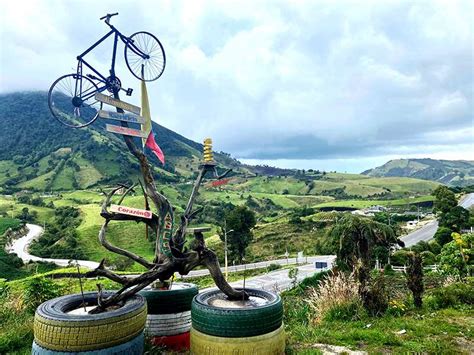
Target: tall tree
(240, 220)
(445, 199)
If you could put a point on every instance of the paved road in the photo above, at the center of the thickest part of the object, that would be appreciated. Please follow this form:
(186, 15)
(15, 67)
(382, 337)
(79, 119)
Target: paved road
(20, 248)
(428, 231)
(264, 264)
(467, 201)
(425, 233)
(278, 280)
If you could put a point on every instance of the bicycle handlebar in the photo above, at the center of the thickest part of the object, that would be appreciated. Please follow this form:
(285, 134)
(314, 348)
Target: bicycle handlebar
(108, 16)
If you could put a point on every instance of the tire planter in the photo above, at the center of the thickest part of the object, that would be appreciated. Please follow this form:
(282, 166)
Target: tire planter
(263, 314)
(220, 326)
(119, 331)
(267, 344)
(169, 315)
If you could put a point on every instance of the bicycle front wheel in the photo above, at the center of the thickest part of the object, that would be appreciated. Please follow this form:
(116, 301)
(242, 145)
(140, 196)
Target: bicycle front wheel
(145, 56)
(71, 100)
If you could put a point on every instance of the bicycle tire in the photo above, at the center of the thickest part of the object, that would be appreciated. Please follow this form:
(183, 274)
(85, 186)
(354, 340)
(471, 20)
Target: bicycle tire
(151, 46)
(66, 104)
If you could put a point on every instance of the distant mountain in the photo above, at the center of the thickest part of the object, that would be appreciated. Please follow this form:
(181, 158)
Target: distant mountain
(449, 172)
(37, 152)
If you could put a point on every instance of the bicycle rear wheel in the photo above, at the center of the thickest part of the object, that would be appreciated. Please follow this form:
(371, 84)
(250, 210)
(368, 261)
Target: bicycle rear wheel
(71, 100)
(145, 44)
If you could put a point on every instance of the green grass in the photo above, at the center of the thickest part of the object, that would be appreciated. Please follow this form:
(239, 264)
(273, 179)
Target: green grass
(6, 223)
(7, 167)
(7, 205)
(88, 175)
(353, 184)
(368, 203)
(38, 183)
(442, 331)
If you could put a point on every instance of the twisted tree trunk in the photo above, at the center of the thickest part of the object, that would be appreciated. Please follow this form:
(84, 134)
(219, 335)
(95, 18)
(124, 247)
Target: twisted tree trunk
(170, 253)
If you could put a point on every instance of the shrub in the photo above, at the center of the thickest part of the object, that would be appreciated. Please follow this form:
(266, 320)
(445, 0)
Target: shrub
(375, 300)
(428, 257)
(458, 293)
(399, 258)
(293, 275)
(38, 290)
(336, 297)
(273, 267)
(396, 308)
(457, 256)
(443, 235)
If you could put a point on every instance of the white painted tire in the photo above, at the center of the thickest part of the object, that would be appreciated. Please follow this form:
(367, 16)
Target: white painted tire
(168, 324)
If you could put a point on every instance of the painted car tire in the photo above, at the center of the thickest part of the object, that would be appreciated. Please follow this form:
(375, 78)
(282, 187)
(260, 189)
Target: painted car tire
(178, 342)
(168, 324)
(134, 346)
(237, 322)
(56, 330)
(267, 344)
(170, 301)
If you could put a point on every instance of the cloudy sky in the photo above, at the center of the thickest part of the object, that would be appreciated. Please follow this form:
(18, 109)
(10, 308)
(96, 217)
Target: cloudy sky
(334, 85)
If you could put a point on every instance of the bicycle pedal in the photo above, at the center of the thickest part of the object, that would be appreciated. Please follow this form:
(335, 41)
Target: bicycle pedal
(129, 92)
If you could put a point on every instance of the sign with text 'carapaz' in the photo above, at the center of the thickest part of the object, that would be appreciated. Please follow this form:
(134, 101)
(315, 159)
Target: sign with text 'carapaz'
(127, 117)
(117, 103)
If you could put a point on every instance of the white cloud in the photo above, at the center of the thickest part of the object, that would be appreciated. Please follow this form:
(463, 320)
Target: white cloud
(267, 79)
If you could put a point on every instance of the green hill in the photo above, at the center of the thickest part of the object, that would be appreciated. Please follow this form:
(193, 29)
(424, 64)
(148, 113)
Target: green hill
(40, 154)
(449, 172)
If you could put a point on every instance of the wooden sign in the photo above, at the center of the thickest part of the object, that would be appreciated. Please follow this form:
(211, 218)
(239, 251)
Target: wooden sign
(125, 131)
(131, 211)
(127, 117)
(117, 103)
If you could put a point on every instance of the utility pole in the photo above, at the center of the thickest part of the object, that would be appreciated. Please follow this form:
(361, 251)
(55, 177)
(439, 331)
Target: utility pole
(225, 249)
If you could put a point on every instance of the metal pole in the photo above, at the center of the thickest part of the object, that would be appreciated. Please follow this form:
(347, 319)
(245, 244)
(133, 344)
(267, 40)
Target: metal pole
(225, 250)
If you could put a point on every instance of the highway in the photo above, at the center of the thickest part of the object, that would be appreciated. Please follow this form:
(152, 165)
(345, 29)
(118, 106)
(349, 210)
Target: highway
(278, 280)
(427, 232)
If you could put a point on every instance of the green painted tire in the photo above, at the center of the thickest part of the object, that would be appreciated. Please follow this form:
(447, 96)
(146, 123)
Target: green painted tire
(237, 322)
(176, 300)
(266, 344)
(56, 329)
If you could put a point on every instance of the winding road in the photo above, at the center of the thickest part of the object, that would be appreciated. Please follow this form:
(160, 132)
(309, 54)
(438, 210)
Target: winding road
(20, 247)
(428, 231)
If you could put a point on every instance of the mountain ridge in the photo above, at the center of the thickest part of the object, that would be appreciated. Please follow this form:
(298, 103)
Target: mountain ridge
(449, 172)
(41, 154)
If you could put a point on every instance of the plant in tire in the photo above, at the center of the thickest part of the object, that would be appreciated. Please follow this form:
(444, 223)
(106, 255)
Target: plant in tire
(263, 313)
(120, 329)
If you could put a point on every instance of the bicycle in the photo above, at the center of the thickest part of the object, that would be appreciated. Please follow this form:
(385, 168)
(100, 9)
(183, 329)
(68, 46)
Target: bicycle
(71, 98)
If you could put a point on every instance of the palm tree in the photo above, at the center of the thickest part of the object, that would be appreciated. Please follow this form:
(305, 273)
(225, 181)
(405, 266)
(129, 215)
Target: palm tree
(357, 236)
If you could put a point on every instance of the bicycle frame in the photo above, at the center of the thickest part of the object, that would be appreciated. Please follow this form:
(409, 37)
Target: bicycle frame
(100, 77)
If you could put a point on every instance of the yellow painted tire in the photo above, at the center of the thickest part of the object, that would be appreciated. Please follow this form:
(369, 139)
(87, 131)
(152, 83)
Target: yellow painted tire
(55, 329)
(265, 344)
